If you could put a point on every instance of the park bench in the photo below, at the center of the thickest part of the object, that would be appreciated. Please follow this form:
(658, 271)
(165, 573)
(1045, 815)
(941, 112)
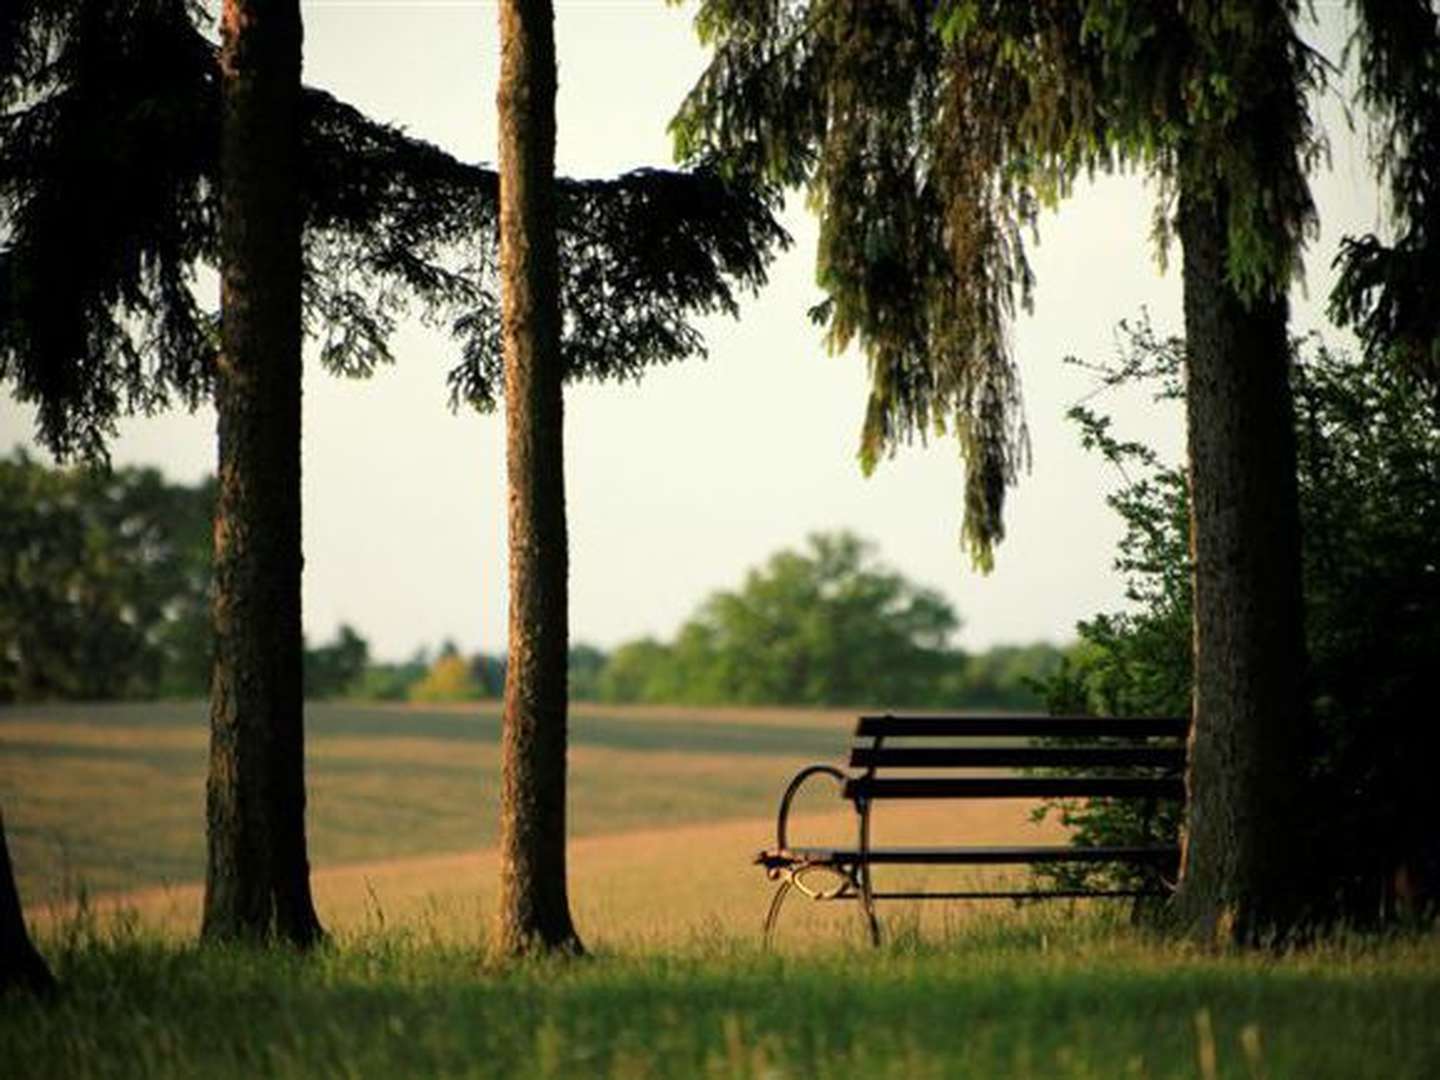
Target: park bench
(983, 757)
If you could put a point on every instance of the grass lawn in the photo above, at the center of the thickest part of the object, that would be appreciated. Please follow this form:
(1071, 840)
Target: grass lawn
(1031, 995)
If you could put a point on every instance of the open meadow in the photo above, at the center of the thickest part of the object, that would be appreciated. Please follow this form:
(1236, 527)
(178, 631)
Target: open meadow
(104, 805)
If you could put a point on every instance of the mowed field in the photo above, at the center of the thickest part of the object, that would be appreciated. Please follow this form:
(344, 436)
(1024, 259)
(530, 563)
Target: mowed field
(667, 808)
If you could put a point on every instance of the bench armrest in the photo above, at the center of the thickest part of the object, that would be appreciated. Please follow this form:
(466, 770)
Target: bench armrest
(791, 791)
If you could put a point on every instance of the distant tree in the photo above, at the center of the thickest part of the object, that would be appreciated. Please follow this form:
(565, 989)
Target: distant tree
(392, 682)
(828, 625)
(1001, 677)
(640, 671)
(585, 664)
(449, 678)
(105, 588)
(488, 672)
(21, 965)
(336, 669)
(104, 583)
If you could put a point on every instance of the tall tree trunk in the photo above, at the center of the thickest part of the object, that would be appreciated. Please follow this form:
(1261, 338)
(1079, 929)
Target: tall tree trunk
(1244, 874)
(257, 882)
(21, 964)
(534, 910)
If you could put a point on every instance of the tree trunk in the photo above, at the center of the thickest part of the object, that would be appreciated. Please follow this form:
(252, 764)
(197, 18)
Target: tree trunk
(1244, 875)
(534, 913)
(21, 965)
(257, 882)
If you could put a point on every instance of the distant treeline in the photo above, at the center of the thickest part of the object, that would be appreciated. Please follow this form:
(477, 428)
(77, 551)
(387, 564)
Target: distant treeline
(648, 672)
(104, 595)
(828, 625)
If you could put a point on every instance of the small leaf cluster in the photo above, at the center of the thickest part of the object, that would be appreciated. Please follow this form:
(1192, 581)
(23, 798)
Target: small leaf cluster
(641, 255)
(1390, 292)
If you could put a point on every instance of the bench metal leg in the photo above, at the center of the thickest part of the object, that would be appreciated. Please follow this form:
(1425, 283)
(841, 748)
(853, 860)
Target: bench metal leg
(867, 905)
(773, 915)
(863, 874)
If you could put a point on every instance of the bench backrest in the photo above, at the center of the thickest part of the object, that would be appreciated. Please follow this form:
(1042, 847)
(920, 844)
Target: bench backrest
(1131, 757)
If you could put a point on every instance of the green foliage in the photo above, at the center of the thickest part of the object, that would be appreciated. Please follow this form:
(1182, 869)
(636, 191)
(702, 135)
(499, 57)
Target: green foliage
(447, 679)
(1387, 291)
(905, 146)
(96, 311)
(639, 255)
(1370, 495)
(105, 588)
(336, 670)
(1212, 97)
(1369, 478)
(489, 674)
(585, 666)
(104, 582)
(829, 625)
(928, 135)
(640, 671)
(1137, 662)
(391, 682)
(97, 314)
(482, 677)
(1002, 677)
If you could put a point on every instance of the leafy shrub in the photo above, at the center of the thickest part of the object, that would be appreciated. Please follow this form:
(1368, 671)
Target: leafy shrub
(1369, 482)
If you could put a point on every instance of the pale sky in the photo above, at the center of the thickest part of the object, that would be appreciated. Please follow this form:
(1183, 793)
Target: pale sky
(678, 484)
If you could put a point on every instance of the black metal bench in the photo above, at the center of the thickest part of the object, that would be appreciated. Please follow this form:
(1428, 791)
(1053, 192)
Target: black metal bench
(983, 757)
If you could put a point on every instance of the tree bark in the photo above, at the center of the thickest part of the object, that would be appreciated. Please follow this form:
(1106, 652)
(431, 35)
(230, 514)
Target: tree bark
(534, 913)
(1245, 871)
(257, 882)
(21, 965)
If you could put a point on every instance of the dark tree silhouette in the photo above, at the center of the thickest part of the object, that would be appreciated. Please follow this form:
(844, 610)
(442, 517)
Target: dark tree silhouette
(257, 873)
(21, 965)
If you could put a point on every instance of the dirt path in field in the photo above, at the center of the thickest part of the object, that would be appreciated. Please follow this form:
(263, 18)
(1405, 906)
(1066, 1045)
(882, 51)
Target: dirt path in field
(649, 886)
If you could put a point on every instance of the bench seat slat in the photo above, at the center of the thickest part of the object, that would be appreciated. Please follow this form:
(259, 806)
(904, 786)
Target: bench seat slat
(1156, 855)
(1017, 757)
(1016, 787)
(1080, 727)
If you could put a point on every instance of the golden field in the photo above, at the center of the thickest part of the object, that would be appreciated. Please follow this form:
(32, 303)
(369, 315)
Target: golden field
(667, 809)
